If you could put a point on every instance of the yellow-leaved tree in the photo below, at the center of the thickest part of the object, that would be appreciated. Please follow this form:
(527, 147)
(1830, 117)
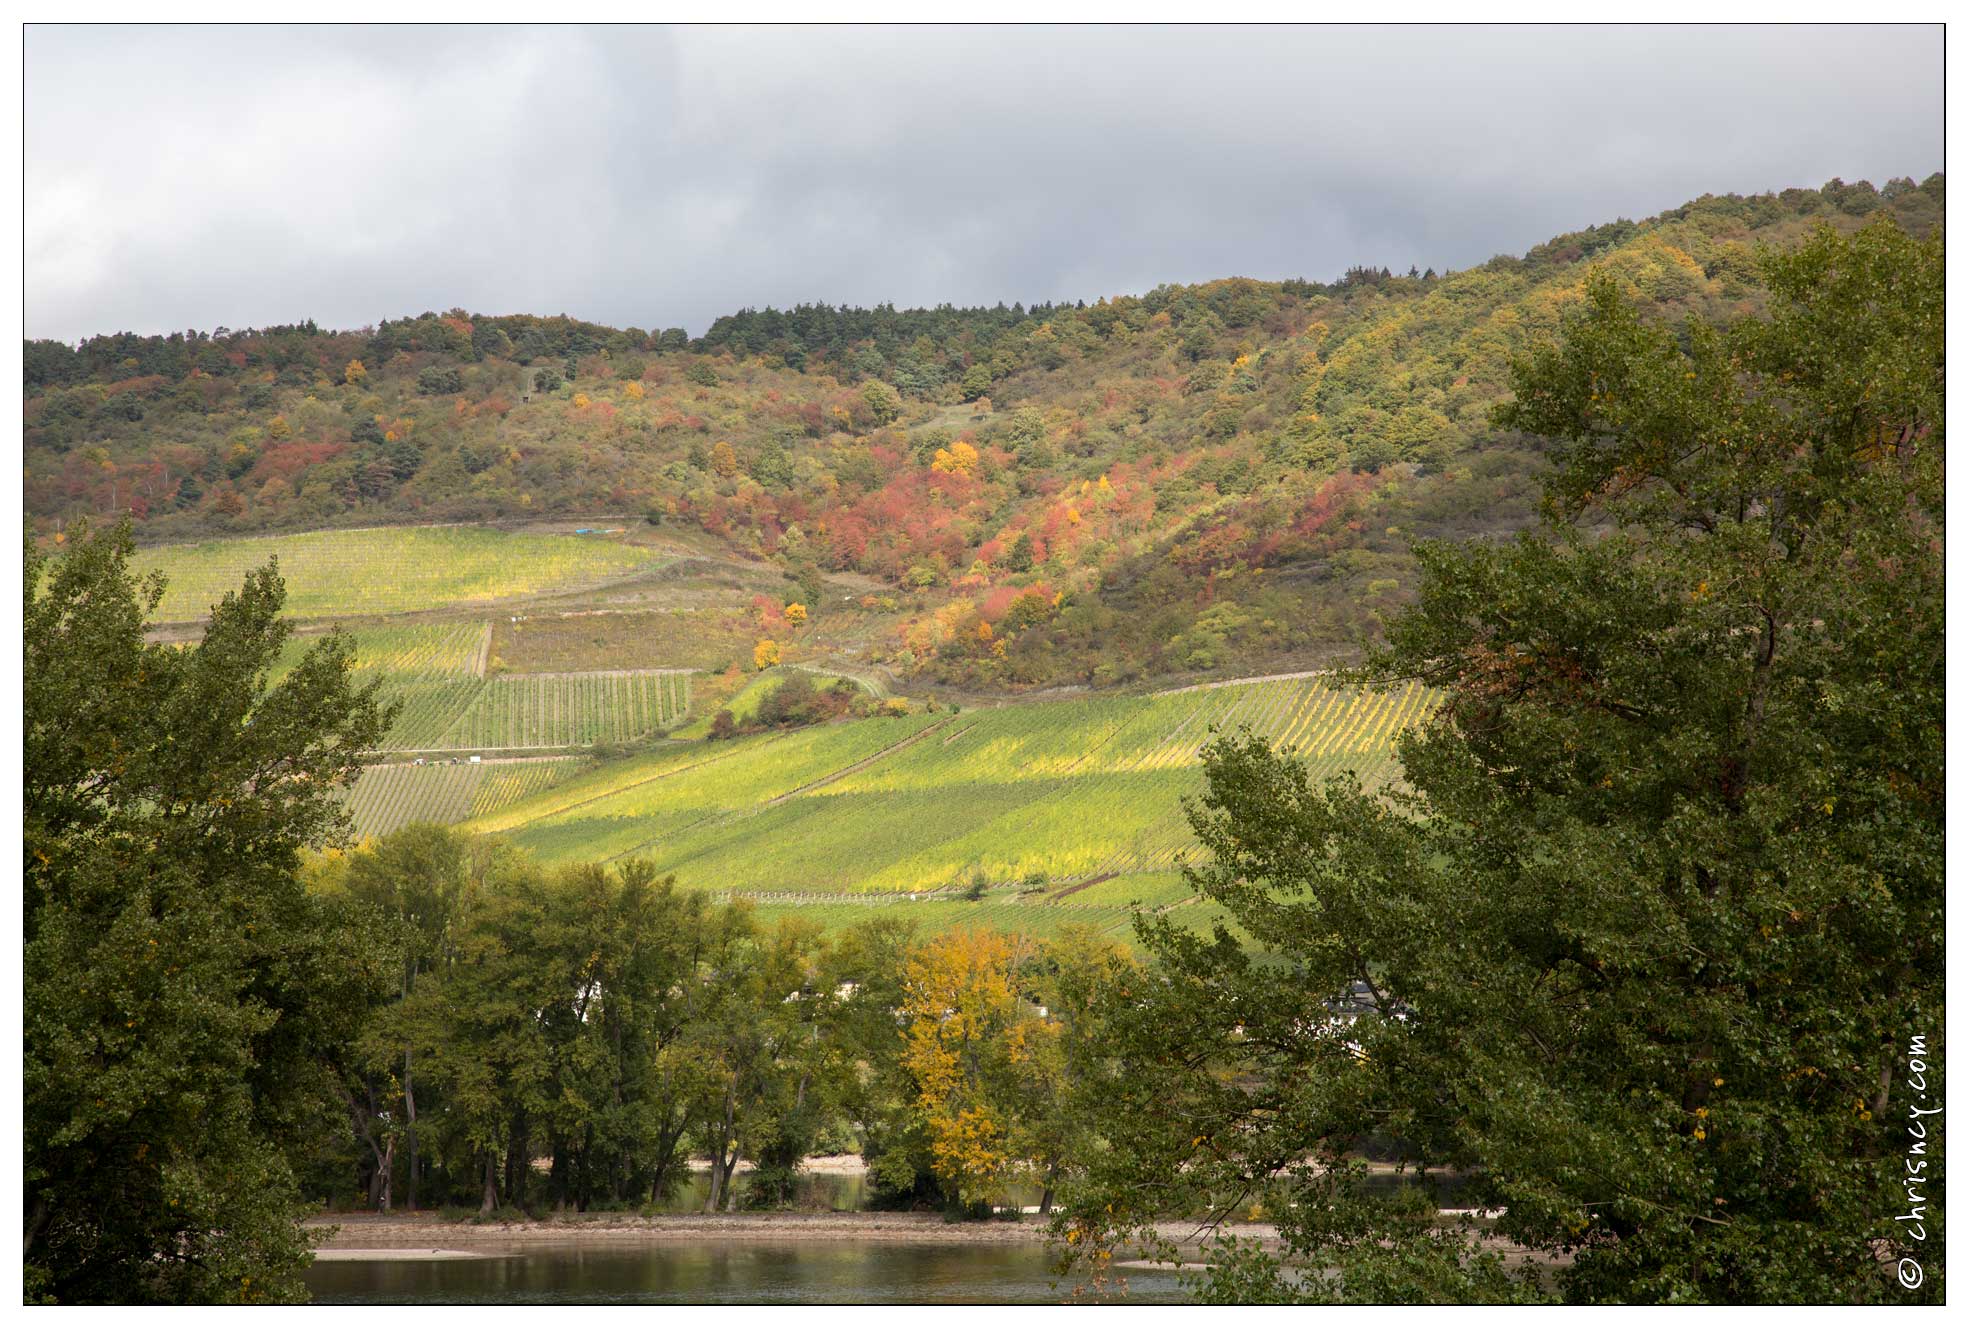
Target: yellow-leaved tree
(766, 654)
(970, 1041)
(958, 459)
(796, 613)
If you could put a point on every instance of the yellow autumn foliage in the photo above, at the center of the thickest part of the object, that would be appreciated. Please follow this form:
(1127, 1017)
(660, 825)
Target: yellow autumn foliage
(958, 459)
(958, 999)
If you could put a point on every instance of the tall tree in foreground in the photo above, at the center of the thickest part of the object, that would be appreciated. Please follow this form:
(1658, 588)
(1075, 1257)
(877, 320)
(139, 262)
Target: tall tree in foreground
(985, 1064)
(413, 881)
(1645, 939)
(183, 995)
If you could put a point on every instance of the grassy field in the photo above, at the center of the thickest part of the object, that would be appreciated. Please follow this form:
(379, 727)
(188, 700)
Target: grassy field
(1031, 799)
(615, 780)
(390, 571)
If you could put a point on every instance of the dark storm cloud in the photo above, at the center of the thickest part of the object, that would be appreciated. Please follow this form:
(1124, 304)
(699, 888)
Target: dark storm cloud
(193, 177)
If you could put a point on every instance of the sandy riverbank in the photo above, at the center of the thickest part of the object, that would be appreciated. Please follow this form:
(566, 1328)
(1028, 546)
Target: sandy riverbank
(825, 1165)
(428, 1232)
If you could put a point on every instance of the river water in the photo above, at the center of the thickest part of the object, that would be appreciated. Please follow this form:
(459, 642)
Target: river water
(748, 1270)
(701, 1272)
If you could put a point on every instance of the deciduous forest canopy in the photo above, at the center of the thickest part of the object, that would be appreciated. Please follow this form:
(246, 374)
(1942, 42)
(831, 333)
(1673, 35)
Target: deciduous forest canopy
(1219, 478)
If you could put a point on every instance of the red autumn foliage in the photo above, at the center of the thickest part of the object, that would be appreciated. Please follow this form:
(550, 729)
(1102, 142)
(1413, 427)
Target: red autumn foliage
(284, 461)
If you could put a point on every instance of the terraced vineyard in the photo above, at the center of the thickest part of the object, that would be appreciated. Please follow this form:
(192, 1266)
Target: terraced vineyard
(409, 651)
(504, 783)
(388, 797)
(568, 710)
(436, 671)
(390, 571)
(1066, 812)
(393, 795)
(433, 669)
(833, 820)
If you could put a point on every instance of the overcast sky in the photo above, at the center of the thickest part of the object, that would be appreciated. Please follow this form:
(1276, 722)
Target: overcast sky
(211, 176)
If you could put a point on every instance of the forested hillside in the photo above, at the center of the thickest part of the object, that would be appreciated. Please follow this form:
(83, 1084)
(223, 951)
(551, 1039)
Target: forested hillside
(1211, 479)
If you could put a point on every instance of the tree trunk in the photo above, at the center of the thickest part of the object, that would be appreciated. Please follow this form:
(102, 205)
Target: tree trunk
(584, 1172)
(666, 1158)
(619, 1166)
(519, 1160)
(385, 1173)
(410, 1133)
(37, 1218)
(376, 1184)
(489, 1199)
(724, 1156)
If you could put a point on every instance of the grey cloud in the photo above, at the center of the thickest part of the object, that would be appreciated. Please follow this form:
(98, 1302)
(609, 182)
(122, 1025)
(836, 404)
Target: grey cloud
(202, 176)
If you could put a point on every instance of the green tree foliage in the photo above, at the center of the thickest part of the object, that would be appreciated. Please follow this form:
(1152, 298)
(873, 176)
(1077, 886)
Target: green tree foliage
(185, 1000)
(561, 1030)
(439, 381)
(772, 468)
(1645, 939)
(413, 882)
(601, 1021)
(884, 403)
(570, 1039)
